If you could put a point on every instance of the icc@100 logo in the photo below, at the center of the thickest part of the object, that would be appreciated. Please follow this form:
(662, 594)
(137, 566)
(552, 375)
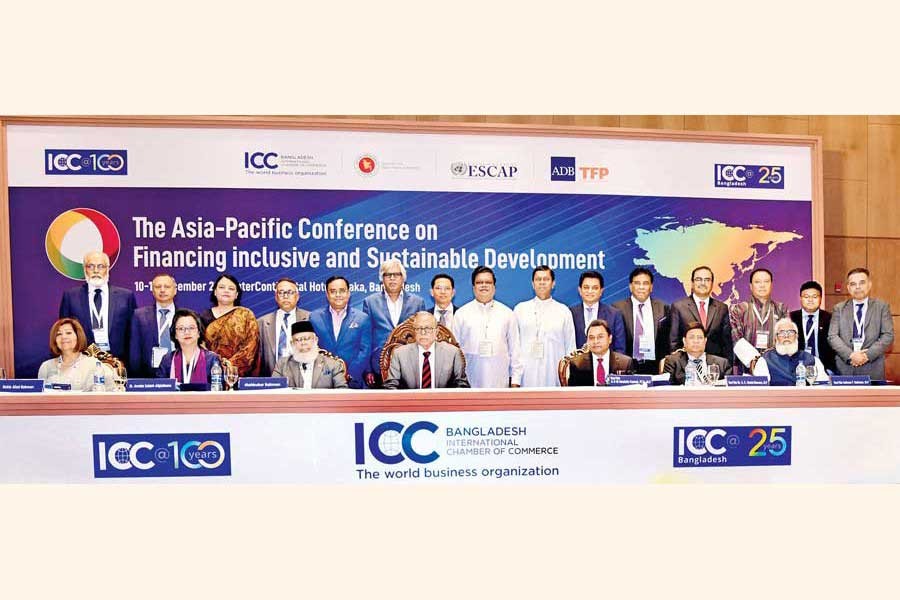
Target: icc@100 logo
(390, 442)
(162, 455)
(731, 446)
(85, 162)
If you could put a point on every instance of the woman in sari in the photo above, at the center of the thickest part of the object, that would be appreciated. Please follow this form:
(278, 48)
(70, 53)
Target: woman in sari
(231, 329)
(189, 362)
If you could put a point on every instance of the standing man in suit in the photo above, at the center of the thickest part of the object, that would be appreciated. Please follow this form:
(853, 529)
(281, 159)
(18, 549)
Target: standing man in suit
(387, 309)
(149, 339)
(754, 320)
(428, 363)
(103, 310)
(275, 327)
(594, 367)
(344, 331)
(861, 329)
(711, 313)
(590, 288)
(813, 323)
(305, 367)
(648, 317)
(443, 289)
(694, 350)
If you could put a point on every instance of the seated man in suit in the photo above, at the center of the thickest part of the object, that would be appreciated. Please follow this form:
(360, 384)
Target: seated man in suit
(780, 363)
(694, 350)
(275, 327)
(428, 363)
(149, 338)
(306, 368)
(813, 323)
(103, 310)
(592, 368)
(861, 329)
(344, 331)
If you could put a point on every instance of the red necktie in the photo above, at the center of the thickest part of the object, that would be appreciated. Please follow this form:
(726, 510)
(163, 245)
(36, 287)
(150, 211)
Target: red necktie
(601, 372)
(426, 371)
(703, 313)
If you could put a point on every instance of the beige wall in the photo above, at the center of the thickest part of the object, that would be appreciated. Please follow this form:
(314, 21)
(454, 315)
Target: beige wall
(862, 184)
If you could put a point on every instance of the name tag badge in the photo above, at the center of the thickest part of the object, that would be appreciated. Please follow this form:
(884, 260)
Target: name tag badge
(646, 350)
(762, 339)
(158, 353)
(101, 338)
(485, 349)
(857, 344)
(537, 349)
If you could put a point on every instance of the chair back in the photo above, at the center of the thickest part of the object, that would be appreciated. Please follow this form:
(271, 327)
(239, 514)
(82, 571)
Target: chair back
(106, 358)
(564, 363)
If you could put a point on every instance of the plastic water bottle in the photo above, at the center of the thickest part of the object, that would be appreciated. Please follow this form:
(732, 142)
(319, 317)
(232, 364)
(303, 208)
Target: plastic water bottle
(99, 378)
(215, 378)
(800, 375)
(691, 377)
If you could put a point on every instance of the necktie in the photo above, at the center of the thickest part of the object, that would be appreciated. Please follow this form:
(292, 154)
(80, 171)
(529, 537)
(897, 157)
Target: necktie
(426, 371)
(589, 319)
(165, 341)
(443, 319)
(703, 312)
(601, 372)
(282, 337)
(97, 320)
(810, 335)
(638, 332)
(856, 331)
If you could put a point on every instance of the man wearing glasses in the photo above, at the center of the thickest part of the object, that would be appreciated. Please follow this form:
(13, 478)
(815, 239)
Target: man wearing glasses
(387, 309)
(780, 363)
(149, 338)
(427, 364)
(700, 306)
(812, 322)
(305, 367)
(275, 327)
(103, 310)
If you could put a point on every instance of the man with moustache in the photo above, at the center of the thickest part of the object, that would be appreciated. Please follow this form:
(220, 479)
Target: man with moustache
(590, 288)
(546, 331)
(443, 289)
(305, 367)
(149, 338)
(702, 307)
(754, 320)
(694, 351)
(780, 363)
(275, 327)
(594, 367)
(646, 323)
(103, 310)
(428, 363)
(813, 323)
(344, 331)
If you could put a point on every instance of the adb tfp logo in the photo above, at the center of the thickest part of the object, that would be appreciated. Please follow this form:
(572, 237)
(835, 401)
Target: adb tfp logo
(562, 168)
(390, 443)
(85, 162)
(161, 455)
(260, 160)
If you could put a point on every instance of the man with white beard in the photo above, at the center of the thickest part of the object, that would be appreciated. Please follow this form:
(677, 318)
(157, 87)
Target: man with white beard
(780, 363)
(306, 368)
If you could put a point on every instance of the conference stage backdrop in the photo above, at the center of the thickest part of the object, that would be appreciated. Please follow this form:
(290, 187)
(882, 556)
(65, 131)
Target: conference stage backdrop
(261, 204)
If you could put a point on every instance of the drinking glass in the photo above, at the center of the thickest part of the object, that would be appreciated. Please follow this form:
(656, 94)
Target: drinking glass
(713, 371)
(119, 382)
(811, 374)
(2, 373)
(231, 378)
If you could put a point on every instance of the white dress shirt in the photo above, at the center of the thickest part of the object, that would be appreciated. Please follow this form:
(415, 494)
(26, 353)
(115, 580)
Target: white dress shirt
(546, 334)
(395, 309)
(489, 337)
(648, 340)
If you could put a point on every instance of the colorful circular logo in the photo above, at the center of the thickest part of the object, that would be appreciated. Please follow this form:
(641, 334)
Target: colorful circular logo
(366, 164)
(76, 232)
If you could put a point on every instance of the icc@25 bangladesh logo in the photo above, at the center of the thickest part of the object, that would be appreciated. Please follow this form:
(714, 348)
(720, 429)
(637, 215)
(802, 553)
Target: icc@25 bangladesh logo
(76, 232)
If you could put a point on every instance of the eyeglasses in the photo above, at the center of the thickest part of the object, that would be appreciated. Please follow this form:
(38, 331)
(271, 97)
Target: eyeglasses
(423, 329)
(95, 267)
(810, 296)
(702, 279)
(305, 339)
(187, 329)
(392, 275)
(286, 293)
(786, 335)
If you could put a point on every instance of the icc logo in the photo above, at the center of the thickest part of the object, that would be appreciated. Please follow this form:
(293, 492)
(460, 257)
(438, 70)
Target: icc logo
(390, 443)
(260, 160)
(700, 441)
(85, 162)
(731, 173)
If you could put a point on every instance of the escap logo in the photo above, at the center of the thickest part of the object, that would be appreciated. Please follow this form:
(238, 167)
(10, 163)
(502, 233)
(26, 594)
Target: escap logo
(562, 168)
(260, 160)
(484, 170)
(76, 232)
(85, 162)
(732, 446)
(749, 176)
(391, 443)
(162, 455)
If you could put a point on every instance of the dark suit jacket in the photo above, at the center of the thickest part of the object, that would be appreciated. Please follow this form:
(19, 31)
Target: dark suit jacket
(432, 307)
(447, 369)
(677, 361)
(122, 305)
(718, 328)
(823, 349)
(878, 330)
(354, 341)
(660, 319)
(581, 368)
(375, 306)
(268, 338)
(143, 337)
(606, 312)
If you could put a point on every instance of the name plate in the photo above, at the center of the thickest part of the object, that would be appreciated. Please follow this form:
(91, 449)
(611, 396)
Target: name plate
(262, 383)
(746, 380)
(57, 387)
(151, 385)
(851, 380)
(620, 380)
(21, 386)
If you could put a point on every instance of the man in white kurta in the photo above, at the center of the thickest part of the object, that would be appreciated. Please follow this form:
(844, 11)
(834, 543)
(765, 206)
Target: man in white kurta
(488, 335)
(546, 332)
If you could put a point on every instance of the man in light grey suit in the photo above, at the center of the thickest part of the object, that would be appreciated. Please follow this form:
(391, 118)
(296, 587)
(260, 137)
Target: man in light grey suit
(306, 367)
(428, 363)
(861, 329)
(275, 327)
